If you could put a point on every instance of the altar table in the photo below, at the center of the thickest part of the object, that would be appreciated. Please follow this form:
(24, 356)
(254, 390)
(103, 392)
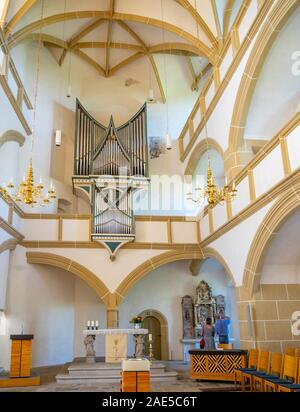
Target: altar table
(217, 365)
(115, 343)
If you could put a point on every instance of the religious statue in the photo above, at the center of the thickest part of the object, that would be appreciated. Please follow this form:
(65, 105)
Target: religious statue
(139, 346)
(188, 317)
(203, 292)
(204, 306)
(220, 305)
(89, 347)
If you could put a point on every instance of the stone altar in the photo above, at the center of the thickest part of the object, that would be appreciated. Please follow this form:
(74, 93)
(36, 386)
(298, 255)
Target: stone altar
(115, 343)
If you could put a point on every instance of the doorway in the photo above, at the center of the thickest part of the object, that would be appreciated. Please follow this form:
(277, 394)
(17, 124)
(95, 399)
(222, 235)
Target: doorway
(157, 325)
(153, 325)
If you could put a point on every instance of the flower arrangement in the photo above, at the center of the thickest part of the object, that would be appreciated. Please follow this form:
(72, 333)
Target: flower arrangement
(136, 319)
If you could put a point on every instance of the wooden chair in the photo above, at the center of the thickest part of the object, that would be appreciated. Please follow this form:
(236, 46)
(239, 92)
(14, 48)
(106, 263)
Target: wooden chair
(290, 351)
(225, 345)
(289, 374)
(275, 372)
(263, 365)
(252, 365)
(294, 387)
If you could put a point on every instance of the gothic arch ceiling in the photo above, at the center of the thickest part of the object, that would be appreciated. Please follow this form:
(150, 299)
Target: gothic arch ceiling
(111, 34)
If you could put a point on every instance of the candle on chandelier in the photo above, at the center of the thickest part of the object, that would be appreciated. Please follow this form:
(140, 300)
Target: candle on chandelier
(150, 337)
(92, 324)
(88, 324)
(11, 183)
(97, 324)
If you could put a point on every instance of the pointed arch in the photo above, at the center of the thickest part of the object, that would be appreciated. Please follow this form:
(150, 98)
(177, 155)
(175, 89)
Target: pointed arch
(282, 209)
(198, 151)
(168, 257)
(12, 136)
(9, 244)
(269, 32)
(71, 266)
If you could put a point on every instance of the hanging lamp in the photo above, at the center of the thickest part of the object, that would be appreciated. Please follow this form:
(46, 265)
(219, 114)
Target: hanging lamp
(28, 192)
(168, 138)
(211, 192)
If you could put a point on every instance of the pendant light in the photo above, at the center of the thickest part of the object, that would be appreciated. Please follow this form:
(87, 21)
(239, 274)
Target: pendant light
(211, 192)
(28, 192)
(168, 138)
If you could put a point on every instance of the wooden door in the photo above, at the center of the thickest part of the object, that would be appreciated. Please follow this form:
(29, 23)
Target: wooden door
(153, 325)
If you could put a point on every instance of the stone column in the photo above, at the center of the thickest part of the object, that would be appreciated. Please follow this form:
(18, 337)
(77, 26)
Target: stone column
(112, 302)
(112, 318)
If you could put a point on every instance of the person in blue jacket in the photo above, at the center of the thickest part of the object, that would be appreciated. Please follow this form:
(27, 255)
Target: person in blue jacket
(222, 328)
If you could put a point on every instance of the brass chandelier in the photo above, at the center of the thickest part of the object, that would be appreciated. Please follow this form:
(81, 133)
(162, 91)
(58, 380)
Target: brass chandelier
(212, 193)
(27, 192)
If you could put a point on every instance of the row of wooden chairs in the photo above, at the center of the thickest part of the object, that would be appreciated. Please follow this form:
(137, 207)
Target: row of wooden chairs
(269, 371)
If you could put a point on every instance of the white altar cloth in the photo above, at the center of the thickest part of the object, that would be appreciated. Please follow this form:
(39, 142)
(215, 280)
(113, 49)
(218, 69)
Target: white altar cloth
(116, 331)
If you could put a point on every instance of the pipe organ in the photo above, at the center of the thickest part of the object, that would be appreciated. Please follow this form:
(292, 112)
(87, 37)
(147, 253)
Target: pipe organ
(109, 165)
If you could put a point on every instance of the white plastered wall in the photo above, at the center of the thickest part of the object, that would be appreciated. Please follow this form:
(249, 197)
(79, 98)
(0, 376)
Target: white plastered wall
(53, 305)
(98, 262)
(39, 302)
(240, 239)
(277, 94)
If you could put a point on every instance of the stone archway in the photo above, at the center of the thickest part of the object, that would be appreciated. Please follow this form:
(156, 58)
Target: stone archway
(9, 244)
(12, 136)
(111, 300)
(277, 18)
(282, 209)
(168, 257)
(200, 149)
(69, 265)
(164, 330)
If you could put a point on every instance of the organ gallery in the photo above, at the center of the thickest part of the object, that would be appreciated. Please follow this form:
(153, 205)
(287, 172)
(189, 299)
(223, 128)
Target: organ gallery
(149, 196)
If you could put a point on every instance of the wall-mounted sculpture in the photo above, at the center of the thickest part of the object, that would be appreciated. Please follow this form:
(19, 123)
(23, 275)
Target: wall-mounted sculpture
(204, 305)
(196, 311)
(157, 146)
(187, 304)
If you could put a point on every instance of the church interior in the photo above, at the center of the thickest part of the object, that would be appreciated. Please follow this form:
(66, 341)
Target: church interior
(150, 195)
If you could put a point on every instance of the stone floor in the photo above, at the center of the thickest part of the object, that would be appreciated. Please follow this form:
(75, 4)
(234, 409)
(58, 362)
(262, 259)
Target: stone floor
(183, 384)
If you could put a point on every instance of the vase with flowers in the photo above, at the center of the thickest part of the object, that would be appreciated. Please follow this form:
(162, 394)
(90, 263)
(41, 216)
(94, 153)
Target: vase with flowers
(137, 322)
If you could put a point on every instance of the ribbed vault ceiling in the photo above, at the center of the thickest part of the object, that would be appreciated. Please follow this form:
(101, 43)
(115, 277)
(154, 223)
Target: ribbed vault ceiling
(112, 34)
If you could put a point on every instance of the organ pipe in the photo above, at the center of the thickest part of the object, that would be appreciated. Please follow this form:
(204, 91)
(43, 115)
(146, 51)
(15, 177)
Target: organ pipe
(110, 151)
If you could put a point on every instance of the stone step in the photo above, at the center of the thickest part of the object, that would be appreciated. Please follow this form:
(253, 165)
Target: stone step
(90, 379)
(100, 369)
